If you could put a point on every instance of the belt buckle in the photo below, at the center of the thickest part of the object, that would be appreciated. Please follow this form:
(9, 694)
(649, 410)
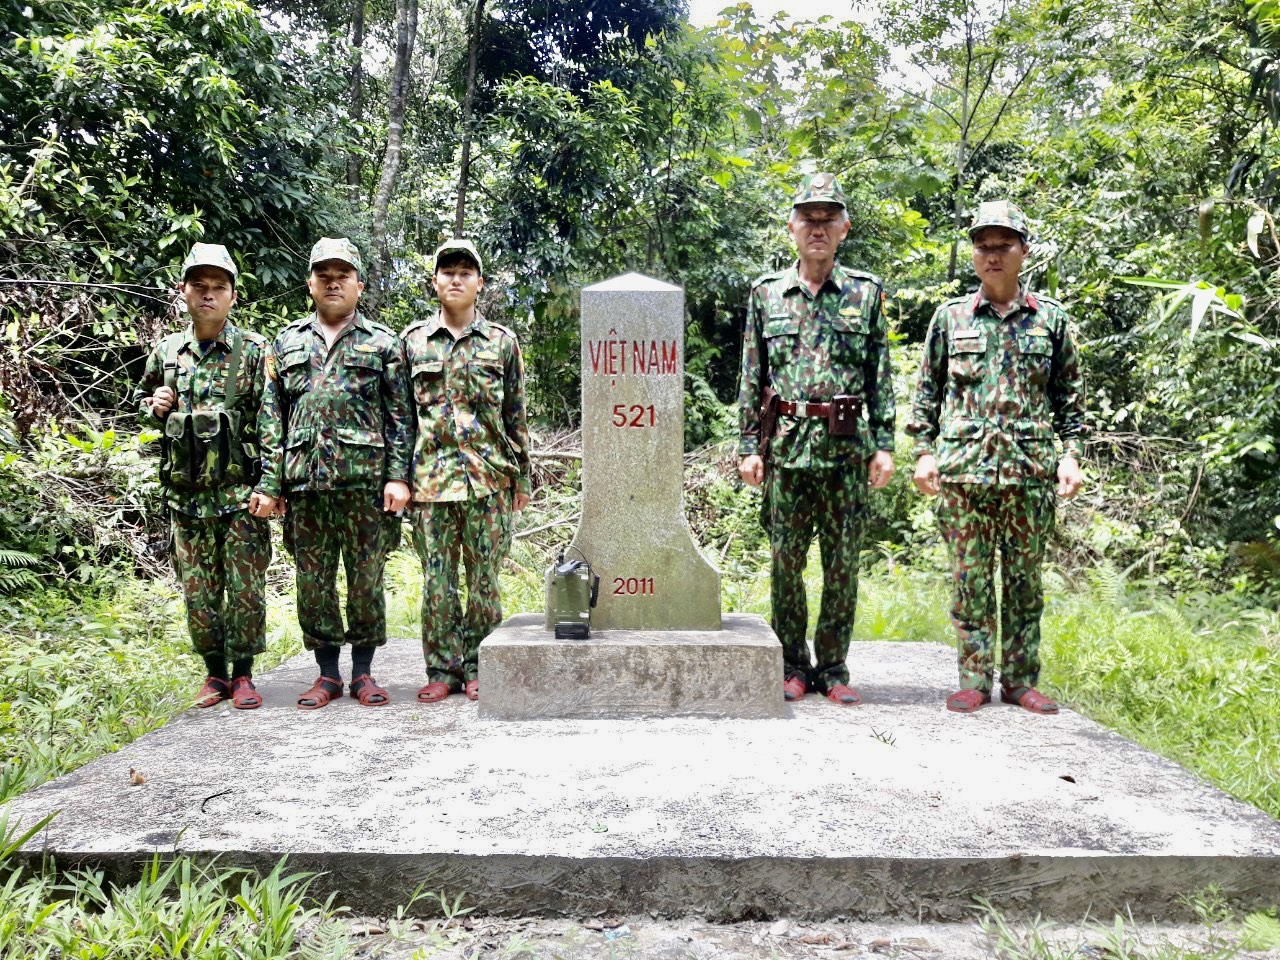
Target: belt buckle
(802, 408)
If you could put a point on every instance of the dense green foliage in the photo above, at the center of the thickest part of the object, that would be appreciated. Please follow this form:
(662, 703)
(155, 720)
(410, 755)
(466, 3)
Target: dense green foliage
(1139, 134)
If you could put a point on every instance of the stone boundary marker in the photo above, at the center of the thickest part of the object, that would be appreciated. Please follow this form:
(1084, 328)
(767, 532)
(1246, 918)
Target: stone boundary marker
(658, 645)
(633, 529)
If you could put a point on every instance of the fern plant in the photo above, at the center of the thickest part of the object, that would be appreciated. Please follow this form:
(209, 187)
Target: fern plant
(17, 570)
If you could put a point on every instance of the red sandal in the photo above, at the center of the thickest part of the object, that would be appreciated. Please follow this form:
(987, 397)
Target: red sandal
(365, 690)
(793, 688)
(434, 692)
(472, 689)
(244, 695)
(844, 695)
(214, 691)
(321, 692)
(1028, 698)
(967, 701)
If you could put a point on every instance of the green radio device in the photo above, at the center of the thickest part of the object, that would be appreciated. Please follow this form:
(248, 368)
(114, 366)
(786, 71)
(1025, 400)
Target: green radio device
(572, 590)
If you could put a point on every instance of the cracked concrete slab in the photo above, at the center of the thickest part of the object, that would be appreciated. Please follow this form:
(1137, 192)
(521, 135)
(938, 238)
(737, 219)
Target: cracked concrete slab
(895, 808)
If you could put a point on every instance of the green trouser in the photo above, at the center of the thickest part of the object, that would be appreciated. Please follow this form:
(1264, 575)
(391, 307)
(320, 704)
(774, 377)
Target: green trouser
(979, 523)
(831, 501)
(475, 534)
(222, 565)
(323, 527)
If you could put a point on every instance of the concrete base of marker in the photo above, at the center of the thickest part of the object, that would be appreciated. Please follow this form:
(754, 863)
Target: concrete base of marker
(895, 808)
(736, 671)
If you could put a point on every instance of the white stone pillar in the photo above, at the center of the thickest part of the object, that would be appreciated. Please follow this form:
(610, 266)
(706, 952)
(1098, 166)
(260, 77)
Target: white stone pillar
(633, 530)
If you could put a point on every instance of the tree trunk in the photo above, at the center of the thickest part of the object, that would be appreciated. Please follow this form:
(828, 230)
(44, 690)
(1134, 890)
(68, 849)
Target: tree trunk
(473, 43)
(406, 31)
(355, 97)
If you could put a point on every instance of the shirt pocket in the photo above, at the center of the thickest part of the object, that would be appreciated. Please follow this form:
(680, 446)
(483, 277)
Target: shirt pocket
(360, 453)
(485, 372)
(1035, 352)
(363, 370)
(295, 370)
(298, 446)
(849, 337)
(428, 383)
(781, 336)
(1035, 441)
(960, 445)
(967, 355)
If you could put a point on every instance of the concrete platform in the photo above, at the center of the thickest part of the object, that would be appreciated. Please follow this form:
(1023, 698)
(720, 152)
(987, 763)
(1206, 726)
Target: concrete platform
(735, 671)
(892, 809)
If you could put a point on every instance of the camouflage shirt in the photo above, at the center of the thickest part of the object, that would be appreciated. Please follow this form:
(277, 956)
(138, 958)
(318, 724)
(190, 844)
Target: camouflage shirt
(994, 390)
(813, 347)
(347, 419)
(472, 438)
(200, 382)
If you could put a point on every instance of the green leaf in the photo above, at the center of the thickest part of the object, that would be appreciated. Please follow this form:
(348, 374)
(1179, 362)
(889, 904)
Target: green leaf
(1153, 282)
(1256, 339)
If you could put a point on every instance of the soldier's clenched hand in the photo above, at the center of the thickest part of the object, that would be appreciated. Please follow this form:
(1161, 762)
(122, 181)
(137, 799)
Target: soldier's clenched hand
(395, 496)
(881, 469)
(751, 469)
(162, 401)
(261, 505)
(926, 476)
(1069, 478)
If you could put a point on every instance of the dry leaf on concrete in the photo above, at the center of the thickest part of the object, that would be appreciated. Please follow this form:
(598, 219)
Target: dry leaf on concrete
(815, 938)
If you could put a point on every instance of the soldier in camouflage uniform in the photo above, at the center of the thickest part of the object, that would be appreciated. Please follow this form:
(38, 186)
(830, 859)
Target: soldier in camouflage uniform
(343, 468)
(816, 355)
(207, 390)
(999, 377)
(470, 467)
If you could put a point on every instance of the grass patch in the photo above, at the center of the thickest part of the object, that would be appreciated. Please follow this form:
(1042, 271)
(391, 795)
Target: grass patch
(83, 676)
(1195, 678)
(1218, 935)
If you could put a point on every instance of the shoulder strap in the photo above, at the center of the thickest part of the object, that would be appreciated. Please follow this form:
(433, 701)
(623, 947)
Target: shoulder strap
(172, 344)
(233, 371)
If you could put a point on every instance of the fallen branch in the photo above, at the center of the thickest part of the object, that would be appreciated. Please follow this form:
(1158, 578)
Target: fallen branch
(520, 535)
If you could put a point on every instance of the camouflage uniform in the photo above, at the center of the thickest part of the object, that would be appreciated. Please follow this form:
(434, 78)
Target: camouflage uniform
(470, 458)
(221, 552)
(348, 431)
(992, 393)
(813, 347)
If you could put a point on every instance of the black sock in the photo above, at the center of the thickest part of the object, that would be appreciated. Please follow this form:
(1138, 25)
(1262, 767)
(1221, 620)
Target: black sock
(242, 668)
(361, 660)
(216, 664)
(327, 657)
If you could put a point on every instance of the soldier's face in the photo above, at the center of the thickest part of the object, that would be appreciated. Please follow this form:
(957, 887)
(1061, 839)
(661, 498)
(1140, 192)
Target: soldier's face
(209, 294)
(817, 229)
(458, 284)
(998, 253)
(335, 289)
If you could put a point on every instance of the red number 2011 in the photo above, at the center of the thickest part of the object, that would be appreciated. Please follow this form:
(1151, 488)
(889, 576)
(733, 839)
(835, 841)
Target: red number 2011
(633, 586)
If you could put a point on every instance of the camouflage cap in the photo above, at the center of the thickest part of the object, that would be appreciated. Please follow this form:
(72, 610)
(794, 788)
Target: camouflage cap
(460, 245)
(1000, 213)
(819, 188)
(336, 248)
(210, 255)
